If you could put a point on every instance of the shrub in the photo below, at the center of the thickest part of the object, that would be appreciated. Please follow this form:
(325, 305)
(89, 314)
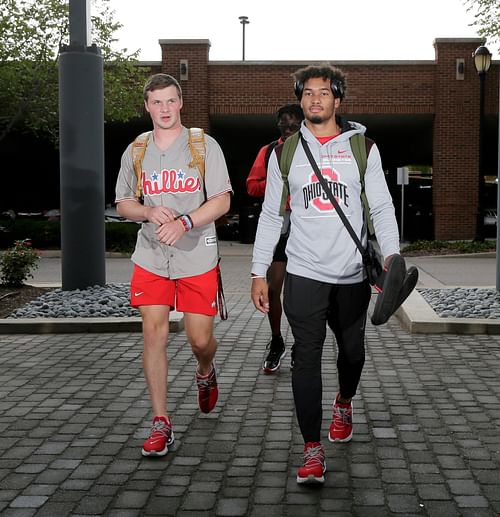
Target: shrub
(17, 263)
(449, 246)
(121, 237)
(43, 234)
(46, 235)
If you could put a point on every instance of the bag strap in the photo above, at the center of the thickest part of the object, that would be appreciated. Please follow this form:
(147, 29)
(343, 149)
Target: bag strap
(196, 144)
(197, 148)
(139, 147)
(269, 150)
(360, 146)
(221, 300)
(331, 197)
(285, 153)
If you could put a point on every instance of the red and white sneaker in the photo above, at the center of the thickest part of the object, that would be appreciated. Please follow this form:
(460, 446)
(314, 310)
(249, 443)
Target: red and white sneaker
(313, 470)
(161, 436)
(341, 426)
(208, 392)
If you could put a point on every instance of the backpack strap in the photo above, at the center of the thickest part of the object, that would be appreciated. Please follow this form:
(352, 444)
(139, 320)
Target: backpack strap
(197, 149)
(269, 150)
(285, 153)
(139, 147)
(361, 146)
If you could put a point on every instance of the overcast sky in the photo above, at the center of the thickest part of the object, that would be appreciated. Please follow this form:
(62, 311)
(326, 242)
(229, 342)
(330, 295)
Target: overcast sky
(331, 30)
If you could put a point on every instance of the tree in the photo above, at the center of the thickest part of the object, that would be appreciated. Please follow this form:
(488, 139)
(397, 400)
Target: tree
(486, 19)
(31, 34)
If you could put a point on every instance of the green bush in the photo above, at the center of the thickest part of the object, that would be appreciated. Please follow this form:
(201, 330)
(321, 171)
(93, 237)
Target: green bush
(121, 236)
(17, 263)
(43, 234)
(46, 235)
(450, 246)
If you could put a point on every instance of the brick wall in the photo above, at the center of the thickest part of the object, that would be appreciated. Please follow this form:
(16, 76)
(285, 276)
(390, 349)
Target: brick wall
(195, 89)
(397, 87)
(455, 144)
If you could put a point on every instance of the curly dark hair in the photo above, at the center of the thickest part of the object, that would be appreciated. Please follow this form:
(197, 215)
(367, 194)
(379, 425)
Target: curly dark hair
(294, 110)
(331, 73)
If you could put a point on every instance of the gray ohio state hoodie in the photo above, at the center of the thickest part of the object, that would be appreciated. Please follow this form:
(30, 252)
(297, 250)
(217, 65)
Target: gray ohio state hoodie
(319, 246)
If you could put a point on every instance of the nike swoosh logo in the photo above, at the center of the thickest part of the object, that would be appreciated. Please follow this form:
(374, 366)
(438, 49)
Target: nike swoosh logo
(342, 151)
(139, 294)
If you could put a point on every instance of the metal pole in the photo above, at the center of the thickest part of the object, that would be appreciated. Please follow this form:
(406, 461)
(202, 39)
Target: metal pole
(244, 21)
(243, 46)
(402, 179)
(480, 186)
(79, 22)
(402, 210)
(81, 128)
(498, 202)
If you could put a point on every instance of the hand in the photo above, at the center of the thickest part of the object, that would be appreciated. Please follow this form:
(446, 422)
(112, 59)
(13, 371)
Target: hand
(388, 259)
(259, 294)
(159, 214)
(169, 233)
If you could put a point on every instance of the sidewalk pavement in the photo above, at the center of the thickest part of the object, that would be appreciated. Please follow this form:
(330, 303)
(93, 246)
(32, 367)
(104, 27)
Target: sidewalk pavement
(437, 272)
(74, 411)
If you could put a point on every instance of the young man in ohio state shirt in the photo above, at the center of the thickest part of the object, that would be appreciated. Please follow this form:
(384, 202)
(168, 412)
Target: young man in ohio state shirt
(176, 255)
(325, 282)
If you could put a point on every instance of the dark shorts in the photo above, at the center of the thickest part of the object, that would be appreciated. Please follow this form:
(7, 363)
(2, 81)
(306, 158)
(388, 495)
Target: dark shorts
(279, 252)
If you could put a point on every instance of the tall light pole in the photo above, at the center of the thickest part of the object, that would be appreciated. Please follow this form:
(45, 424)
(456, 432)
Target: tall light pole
(244, 21)
(498, 206)
(482, 62)
(81, 155)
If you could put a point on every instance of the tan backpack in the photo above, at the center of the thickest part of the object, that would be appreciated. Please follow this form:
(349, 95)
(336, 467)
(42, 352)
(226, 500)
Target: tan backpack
(196, 147)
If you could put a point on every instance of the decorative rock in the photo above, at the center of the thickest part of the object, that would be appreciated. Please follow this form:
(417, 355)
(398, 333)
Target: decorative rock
(463, 302)
(111, 300)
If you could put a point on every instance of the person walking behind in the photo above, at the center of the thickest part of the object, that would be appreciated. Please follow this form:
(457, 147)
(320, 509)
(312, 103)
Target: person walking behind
(289, 118)
(176, 254)
(325, 282)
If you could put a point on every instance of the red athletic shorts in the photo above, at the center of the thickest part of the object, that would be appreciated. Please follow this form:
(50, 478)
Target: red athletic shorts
(196, 294)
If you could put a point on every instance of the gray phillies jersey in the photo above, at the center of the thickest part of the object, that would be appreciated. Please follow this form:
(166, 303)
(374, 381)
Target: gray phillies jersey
(167, 180)
(319, 246)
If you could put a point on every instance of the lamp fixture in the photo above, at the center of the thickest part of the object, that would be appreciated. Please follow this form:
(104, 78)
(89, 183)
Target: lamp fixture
(482, 59)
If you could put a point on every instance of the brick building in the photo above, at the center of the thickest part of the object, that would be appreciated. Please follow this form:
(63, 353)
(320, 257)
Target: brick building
(423, 113)
(418, 112)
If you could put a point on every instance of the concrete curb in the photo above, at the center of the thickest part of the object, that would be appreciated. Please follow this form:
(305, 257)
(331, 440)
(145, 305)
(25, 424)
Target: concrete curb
(417, 316)
(81, 325)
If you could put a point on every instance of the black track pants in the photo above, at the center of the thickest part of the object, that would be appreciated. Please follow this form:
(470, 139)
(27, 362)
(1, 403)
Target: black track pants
(309, 305)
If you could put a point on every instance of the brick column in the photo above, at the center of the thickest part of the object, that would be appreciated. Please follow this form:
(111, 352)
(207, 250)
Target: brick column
(187, 61)
(455, 140)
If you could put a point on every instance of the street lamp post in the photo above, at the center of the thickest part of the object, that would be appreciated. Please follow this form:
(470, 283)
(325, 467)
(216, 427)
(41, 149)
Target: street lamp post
(244, 21)
(498, 206)
(482, 62)
(81, 155)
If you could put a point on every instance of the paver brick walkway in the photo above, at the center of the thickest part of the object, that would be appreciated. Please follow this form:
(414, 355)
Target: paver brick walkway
(74, 411)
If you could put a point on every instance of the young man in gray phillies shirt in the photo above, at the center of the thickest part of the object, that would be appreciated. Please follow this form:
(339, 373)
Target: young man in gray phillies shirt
(176, 258)
(325, 281)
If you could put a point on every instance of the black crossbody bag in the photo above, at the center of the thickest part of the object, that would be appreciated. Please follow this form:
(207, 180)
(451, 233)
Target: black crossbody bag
(371, 261)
